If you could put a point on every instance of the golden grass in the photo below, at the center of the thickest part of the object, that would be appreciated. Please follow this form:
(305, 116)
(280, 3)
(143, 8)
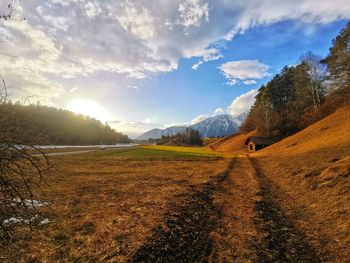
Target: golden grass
(106, 203)
(233, 144)
(202, 151)
(104, 206)
(235, 233)
(311, 175)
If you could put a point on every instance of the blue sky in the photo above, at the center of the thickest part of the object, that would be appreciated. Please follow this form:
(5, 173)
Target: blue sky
(144, 64)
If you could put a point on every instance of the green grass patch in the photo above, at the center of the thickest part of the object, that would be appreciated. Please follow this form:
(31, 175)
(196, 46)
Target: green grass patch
(158, 152)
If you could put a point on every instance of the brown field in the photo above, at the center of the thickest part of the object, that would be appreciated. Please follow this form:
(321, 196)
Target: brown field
(104, 204)
(286, 203)
(308, 178)
(310, 174)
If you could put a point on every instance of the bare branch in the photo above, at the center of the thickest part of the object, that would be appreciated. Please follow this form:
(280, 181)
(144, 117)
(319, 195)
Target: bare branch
(3, 92)
(8, 14)
(22, 168)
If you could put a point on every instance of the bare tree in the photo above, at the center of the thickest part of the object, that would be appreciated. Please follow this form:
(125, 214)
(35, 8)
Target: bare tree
(316, 73)
(22, 167)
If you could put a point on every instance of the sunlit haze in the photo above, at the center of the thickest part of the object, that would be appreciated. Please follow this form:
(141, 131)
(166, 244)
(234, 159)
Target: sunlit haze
(89, 108)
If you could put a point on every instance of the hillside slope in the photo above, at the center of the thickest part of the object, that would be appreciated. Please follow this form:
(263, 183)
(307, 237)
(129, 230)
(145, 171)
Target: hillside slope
(231, 144)
(310, 175)
(332, 132)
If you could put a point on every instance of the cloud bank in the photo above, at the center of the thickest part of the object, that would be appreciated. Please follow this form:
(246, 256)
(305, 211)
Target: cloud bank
(246, 71)
(64, 44)
(135, 39)
(242, 103)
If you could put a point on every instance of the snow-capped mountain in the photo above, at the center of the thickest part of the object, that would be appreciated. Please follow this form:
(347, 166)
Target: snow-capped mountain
(241, 118)
(158, 133)
(216, 126)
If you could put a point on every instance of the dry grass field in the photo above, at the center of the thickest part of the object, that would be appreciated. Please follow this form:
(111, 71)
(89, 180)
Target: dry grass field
(233, 144)
(286, 203)
(308, 178)
(310, 175)
(104, 204)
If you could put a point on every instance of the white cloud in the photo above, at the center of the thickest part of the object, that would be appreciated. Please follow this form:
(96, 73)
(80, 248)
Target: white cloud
(199, 118)
(176, 124)
(244, 70)
(219, 111)
(150, 120)
(242, 103)
(135, 128)
(132, 39)
(132, 87)
(193, 13)
(209, 55)
(92, 9)
(136, 20)
(74, 89)
(249, 82)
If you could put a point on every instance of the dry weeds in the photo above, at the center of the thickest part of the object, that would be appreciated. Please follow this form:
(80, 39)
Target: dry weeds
(233, 144)
(103, 207)
(309, 173)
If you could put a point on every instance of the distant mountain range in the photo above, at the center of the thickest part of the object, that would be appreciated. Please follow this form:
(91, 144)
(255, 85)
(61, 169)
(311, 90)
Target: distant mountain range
(216, 126)
(158, 133)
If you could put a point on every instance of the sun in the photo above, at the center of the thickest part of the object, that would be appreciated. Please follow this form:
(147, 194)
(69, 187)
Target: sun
(89, 108)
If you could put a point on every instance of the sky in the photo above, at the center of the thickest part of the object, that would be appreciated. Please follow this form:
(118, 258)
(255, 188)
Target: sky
(138, 65)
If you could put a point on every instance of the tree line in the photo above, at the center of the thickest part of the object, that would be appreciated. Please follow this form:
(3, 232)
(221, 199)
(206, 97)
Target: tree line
(48, 125)
(305, 93)
(189, 137)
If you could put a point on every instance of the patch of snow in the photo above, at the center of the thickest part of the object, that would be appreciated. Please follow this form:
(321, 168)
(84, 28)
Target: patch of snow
(11, 221)
(29, 203)
(17, 220)
(45, 221)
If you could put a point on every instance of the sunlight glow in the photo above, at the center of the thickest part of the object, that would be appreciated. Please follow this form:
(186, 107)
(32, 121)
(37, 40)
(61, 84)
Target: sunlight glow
(89, 108)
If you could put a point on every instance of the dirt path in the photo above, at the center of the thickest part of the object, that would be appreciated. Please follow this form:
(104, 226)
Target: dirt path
(278, 239)
(185, 234)
(231, 218)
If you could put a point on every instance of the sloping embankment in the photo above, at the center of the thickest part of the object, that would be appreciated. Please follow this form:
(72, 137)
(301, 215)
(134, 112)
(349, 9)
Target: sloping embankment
(309, 173)
(232, 144)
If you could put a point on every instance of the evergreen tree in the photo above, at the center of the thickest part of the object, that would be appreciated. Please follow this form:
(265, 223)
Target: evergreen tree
(58, 127)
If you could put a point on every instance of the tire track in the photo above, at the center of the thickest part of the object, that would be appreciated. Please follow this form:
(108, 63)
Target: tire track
(279, 240)
(184, 234)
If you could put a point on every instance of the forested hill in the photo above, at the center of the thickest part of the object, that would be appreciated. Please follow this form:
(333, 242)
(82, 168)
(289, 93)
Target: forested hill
(48, 125)
(303, 94)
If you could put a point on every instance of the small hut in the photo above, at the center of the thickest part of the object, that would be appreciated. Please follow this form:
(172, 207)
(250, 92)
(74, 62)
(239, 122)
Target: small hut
(256, 143)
